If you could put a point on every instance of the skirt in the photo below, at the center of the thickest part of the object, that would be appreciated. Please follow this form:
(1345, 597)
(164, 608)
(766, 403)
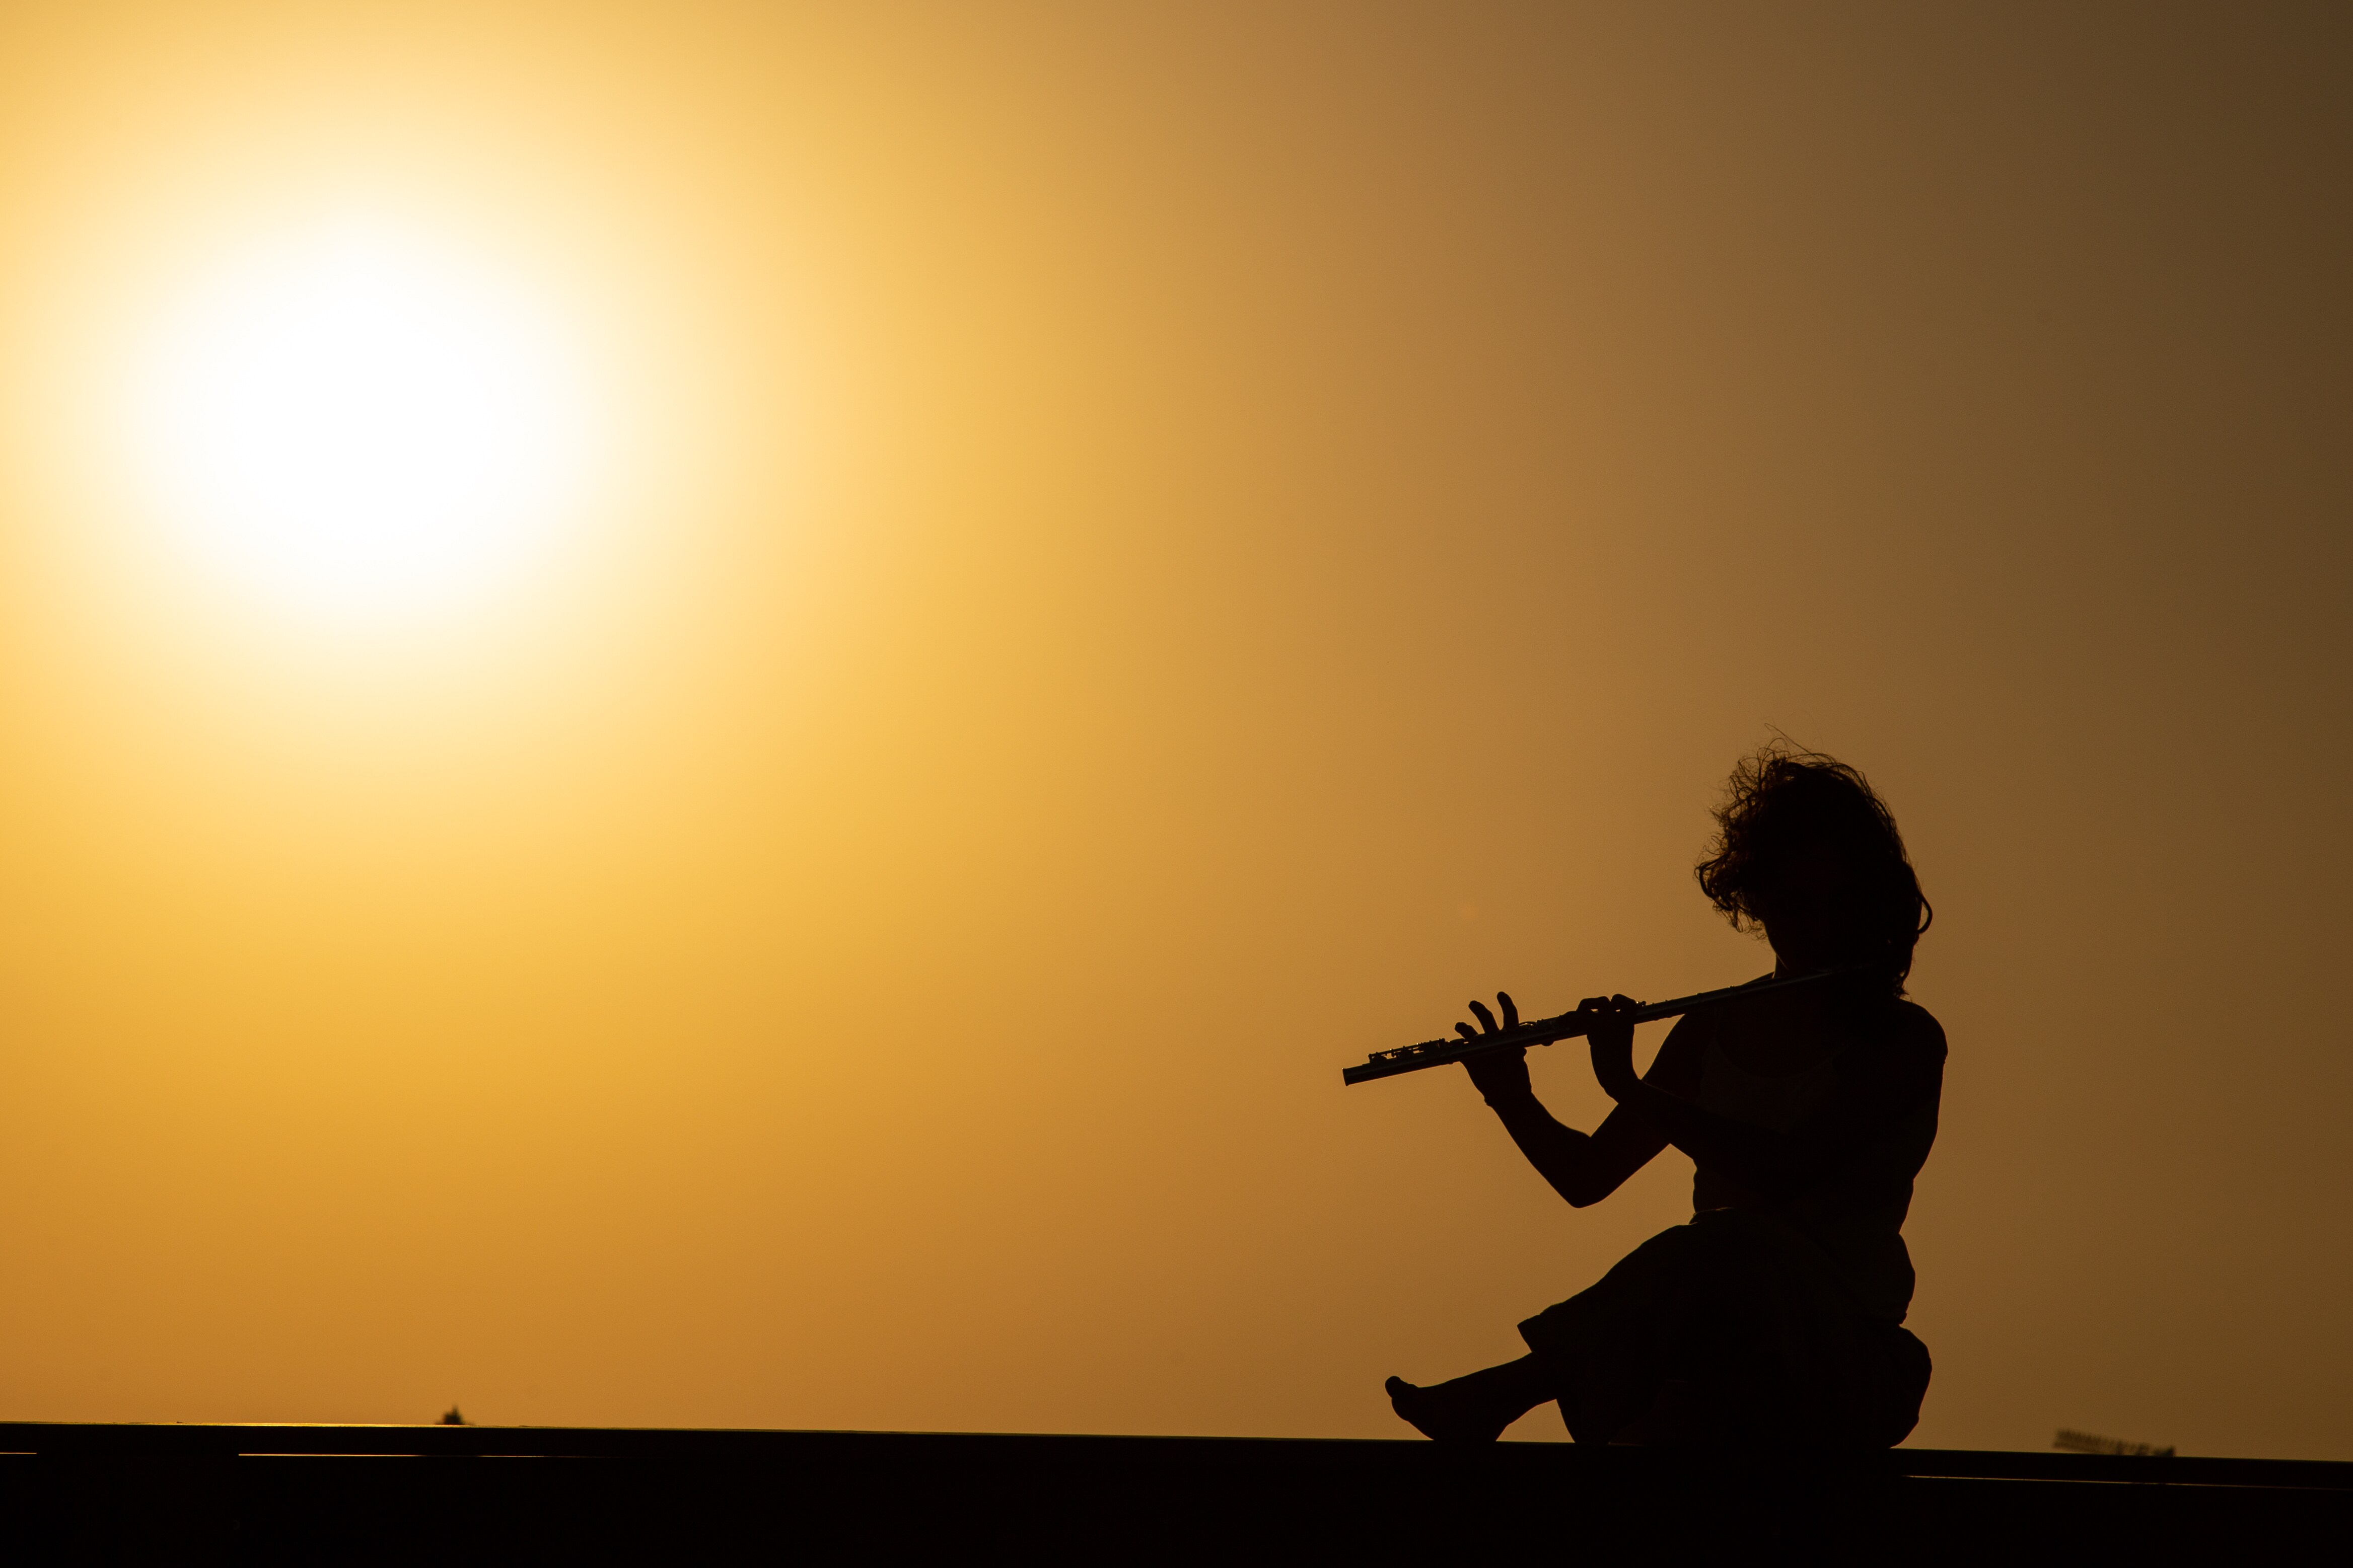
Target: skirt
(1733, 1328)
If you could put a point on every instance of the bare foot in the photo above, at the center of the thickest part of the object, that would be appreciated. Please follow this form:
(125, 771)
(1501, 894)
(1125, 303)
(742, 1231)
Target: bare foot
(1449, 1412)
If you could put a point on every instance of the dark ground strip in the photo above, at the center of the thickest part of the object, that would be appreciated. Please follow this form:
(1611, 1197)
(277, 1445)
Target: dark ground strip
(365, 1494)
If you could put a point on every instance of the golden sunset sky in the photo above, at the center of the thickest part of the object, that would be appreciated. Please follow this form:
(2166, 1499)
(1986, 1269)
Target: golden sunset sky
(1051, 573)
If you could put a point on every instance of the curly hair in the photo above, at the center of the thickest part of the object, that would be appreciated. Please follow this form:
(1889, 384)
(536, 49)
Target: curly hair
(1787, 801)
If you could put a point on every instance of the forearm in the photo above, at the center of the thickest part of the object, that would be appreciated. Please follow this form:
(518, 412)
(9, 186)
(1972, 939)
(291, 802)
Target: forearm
(1561, 1155)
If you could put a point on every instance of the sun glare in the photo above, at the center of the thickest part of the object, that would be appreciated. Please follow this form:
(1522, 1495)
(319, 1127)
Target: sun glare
(363, 423)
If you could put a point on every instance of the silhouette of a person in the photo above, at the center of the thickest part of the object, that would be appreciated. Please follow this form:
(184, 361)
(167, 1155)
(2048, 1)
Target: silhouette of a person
(1775, 1315)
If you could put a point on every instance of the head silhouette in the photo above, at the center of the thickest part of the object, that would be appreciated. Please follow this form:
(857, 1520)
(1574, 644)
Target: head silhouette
(1807, 851)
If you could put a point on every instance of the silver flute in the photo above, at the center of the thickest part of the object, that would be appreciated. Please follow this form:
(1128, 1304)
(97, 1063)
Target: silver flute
(1565, 1026)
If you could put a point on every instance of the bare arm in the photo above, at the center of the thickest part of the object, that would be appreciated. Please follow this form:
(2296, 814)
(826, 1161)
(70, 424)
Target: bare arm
(1583, 1168)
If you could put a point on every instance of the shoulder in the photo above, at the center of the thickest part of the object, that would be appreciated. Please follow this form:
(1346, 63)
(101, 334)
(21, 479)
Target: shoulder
(1913, 1030)
(1677, 1066)
(1737, 1010)
(1903, 1045)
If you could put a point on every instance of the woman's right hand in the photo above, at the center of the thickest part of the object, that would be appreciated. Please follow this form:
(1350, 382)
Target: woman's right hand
(1498, 1075)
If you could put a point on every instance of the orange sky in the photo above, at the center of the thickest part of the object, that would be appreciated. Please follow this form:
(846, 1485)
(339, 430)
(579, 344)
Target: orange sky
(1168, 546)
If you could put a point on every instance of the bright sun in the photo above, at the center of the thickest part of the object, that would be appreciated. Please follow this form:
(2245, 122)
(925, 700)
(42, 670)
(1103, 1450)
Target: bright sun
(363, 423)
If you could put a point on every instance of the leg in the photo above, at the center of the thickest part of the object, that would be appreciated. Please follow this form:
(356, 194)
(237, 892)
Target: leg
(1475, 1408)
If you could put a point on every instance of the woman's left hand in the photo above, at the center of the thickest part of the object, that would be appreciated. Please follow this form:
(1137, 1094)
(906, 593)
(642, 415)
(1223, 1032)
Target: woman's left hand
(1612, 1037)
(1497, 1074)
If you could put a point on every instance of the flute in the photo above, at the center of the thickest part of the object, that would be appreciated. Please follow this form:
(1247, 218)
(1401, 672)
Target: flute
(1544, 1031)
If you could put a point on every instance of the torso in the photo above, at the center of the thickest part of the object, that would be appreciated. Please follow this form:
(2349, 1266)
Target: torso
(1778, 1059)
(1778, 1100)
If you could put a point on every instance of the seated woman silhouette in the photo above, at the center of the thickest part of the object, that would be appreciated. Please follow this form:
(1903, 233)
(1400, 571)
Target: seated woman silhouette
(1774, 1316)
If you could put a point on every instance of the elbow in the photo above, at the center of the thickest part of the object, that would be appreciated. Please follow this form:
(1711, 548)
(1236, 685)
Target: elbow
(1584, 1195)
